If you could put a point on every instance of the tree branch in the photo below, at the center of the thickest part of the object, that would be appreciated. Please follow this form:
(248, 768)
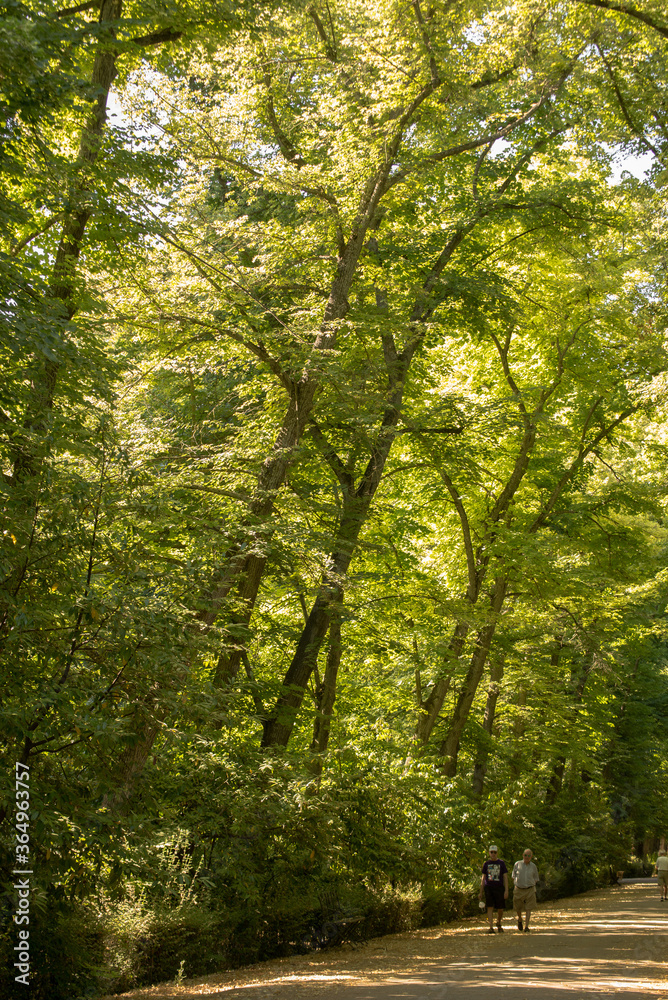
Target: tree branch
(214, 489)
(69, 11)
(430, 430)
(330, 47)
(157, 37)
(574, 466)
(259, 350)
(537, 146)
(466, 529)
(502, 351)
(500, 133)
(426, 39)
(285, 144)
(619, 8)
(485, 140)
(331, 457)
(626, 115)
(28, 239)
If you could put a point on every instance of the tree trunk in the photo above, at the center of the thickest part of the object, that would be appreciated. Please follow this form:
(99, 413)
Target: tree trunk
(326, 695)
(356, 507)
(578, 681)
(480, 769)
(242, 571)
(556, 781)
(32, 449)
(431, 707)
(449, 748)
(278, 728)
(131, 760)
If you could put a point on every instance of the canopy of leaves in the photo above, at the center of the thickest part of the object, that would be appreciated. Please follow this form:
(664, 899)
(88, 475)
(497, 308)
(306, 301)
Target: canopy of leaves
(333, 454)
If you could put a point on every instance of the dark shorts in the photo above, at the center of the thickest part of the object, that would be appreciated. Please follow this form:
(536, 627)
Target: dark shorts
(494, 896)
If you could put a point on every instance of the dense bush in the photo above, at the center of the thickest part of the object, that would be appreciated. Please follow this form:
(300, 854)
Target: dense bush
(637, 868)
(67, 951)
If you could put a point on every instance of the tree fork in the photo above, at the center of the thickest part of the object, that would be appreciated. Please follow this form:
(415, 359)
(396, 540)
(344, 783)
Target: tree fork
(277, 463)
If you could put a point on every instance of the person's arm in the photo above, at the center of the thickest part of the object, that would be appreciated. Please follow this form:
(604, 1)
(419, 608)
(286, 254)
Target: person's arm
(482, 881)
(505, 884)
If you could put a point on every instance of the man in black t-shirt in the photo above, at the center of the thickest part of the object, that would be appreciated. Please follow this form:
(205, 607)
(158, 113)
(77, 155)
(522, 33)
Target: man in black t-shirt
(494, 884)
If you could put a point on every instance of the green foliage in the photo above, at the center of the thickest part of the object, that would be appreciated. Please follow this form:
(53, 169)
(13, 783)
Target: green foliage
(343, 318)
(67, 951)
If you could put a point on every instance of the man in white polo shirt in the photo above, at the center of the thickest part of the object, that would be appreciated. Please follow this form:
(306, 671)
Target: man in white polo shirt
(525, 876)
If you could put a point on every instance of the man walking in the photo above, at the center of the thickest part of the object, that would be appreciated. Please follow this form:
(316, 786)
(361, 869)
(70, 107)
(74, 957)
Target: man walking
(661, 868)
(494, 885)
(525, 876)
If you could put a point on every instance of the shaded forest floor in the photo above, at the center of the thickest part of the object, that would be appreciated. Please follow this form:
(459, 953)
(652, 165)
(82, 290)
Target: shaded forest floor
(611, 942)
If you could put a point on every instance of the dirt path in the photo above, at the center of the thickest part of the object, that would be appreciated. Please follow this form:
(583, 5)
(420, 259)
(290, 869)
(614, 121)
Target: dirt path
(608, 943)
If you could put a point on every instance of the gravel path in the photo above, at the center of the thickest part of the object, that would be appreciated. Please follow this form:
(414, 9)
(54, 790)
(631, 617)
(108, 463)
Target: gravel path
(612, 942)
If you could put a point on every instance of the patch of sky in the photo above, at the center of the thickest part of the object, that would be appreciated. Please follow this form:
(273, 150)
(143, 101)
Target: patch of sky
(500, 147)
(118, 119)
(475, 33)
(624, 162)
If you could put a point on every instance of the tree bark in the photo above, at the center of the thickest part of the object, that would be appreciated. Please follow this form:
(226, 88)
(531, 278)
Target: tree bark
(480, 769)
(326, 695)
(449, 748)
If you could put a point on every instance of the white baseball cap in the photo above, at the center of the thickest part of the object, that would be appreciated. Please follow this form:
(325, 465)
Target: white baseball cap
(493, 847)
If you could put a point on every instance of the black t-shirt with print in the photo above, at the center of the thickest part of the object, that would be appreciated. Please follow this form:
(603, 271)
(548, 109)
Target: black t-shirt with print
(494, 872)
